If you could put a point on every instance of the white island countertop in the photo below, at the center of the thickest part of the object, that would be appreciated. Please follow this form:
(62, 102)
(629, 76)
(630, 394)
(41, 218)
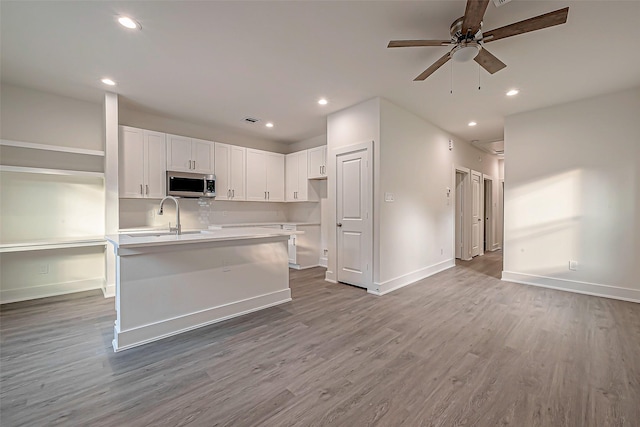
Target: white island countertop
(137, 239)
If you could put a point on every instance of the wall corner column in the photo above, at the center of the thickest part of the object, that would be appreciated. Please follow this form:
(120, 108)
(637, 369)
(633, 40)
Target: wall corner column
(112, 209)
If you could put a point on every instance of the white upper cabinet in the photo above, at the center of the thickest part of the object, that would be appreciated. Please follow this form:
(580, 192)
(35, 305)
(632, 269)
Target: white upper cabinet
(142, 172)
(230, 165)
(190, 155)
(265, 176)
(317, 163)
(298, 187)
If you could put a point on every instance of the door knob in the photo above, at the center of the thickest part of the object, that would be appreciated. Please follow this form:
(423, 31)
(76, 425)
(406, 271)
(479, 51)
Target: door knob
(339, 224)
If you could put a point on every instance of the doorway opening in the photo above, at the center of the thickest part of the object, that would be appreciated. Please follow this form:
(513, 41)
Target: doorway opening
(488, 215)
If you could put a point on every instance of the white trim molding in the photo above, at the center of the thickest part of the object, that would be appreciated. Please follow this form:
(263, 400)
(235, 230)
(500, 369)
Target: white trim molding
(177, 325)
(324, 262)
(387, 286)
(50, 290)
(586, 288)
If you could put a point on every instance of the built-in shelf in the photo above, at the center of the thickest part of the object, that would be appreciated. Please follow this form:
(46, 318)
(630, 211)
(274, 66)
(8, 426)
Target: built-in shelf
(47, 147)
(22, 169)
(52, 244)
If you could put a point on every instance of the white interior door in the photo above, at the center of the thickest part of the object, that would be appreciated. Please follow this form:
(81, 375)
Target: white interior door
(353, 218)
(476, 214)
(459, 214)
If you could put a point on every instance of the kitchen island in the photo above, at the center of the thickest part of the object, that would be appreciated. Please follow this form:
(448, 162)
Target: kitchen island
(167, 284)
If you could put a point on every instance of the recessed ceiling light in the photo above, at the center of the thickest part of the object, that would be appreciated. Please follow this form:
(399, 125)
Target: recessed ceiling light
(513, 92)
(108, 82)
(129, 23)
(269, 125)
(472, 123)
(323, 101)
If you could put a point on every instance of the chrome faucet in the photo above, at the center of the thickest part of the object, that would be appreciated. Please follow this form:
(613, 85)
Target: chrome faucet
(178, 228)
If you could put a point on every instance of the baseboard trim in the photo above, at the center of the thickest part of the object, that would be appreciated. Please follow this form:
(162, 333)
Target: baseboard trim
(124, 340)
(586, 288)
(382, 288)
(109, 291)
(50, 290)
(329, 277)
(323, 262)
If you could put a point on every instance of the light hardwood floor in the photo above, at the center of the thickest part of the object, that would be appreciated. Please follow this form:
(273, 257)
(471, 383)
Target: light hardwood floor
(459, 348)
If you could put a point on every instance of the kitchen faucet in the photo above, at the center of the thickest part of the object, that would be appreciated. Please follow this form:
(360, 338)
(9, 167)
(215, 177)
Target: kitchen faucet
(178, 228)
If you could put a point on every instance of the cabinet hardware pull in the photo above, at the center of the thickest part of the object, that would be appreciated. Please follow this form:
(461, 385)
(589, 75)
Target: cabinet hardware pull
(141, 189)
(189, 164)
(233, 193)
(146, 187)
(194, 164)
(268, 195)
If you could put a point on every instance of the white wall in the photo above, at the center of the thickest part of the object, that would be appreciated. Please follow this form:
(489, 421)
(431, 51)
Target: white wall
(413, 236)
(416, 230)
(145, 120)
(316, 141)
(572, 192)
(353, 125)
(29, 115)
(35, 207)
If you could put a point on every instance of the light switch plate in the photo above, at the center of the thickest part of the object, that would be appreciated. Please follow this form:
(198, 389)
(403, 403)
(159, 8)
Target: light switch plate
(573, 265)
(388, 197)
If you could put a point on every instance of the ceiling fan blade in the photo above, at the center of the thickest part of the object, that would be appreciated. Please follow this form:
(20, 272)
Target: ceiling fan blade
(439, 63)
(418, 43)
(473, 15)
(489, 62)
(550, 19)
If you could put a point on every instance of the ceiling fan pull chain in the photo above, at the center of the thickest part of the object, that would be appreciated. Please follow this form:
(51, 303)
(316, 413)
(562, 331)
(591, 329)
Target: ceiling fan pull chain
(478, 76)
(451, 78)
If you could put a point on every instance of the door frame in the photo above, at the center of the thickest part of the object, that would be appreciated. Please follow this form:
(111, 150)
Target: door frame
(466, 212)
(335, 154)
(480, 213)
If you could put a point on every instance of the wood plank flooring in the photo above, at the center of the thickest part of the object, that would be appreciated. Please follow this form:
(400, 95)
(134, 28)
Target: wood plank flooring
(460, 348)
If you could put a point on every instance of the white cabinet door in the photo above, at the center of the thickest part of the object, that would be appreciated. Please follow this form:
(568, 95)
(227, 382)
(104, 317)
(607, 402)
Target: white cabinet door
(142, 163)
(291, 177)
(318, 162)
(155, 161)
(256, 175)
(237, 171)
(179, 153)
(275, 177)
(230, 166)
(131, 160)
(303, 180)
(202, 156)
(222, 159)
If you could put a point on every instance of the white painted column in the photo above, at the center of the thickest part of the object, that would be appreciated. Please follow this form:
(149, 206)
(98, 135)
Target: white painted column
(110, 110)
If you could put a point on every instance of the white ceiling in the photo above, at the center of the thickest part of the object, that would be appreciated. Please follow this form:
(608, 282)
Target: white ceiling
(213, 62)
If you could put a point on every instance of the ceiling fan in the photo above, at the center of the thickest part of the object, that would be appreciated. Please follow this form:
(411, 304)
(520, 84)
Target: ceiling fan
(468, 39)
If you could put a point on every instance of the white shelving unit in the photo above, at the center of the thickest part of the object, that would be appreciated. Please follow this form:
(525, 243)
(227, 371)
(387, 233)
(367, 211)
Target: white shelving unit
(51, 215)
(46, 147)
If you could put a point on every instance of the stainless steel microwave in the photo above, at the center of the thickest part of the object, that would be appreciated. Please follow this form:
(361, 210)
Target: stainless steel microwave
(183, 184)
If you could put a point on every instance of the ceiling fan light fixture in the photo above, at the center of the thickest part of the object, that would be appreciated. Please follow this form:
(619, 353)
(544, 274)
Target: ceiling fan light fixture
(465, 52)
(513, 92)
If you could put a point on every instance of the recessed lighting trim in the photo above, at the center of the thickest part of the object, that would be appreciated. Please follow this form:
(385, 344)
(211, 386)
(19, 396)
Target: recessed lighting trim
(472, 123)
(129, 23)
(269, 125)
(513, 92)
(108, 82)
(323, 101)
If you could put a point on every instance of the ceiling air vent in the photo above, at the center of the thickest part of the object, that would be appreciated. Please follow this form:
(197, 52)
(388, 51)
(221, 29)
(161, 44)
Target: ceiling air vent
(499, 3)
(251, 120)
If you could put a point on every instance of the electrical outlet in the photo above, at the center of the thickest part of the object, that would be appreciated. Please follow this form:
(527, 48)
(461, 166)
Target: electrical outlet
(441, 251)
(225, 266)
(573, 265)
(43, 269)
(224, 213)
(325, 252)
(388, 197)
